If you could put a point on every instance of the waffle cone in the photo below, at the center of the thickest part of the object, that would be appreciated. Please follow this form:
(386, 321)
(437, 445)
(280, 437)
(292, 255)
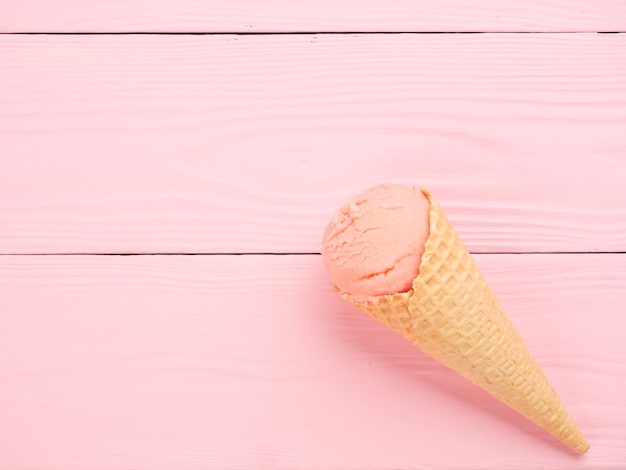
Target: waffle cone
(451, 314)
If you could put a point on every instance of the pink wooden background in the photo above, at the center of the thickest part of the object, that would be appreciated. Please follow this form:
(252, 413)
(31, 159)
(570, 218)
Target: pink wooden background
(164, 146)
(286, 16)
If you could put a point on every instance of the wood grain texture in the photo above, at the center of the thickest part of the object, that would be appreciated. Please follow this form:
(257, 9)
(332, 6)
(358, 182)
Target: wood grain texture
(187, 362)
(181, 144)
(316, 16)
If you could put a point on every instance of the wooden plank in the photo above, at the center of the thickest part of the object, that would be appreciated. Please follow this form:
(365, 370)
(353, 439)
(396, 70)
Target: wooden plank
(301, 15)
(186, 362)
(194, 144)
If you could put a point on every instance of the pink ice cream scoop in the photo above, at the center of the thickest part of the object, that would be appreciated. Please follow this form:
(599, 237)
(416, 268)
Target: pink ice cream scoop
(374, 243)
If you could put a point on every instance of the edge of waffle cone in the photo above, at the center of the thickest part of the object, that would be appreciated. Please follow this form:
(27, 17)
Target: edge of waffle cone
(451, 314)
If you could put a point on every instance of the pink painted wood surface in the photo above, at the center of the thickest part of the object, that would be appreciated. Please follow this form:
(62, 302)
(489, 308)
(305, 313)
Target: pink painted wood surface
(183, 362)
(303, 15)
(248, 144)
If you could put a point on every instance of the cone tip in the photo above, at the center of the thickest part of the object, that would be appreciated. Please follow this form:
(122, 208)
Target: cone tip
(582, 447)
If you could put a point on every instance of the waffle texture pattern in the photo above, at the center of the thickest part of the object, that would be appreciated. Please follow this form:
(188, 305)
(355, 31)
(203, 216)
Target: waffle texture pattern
(452, 315)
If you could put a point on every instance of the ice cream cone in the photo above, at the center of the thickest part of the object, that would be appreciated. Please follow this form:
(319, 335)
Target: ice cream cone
(451, 314)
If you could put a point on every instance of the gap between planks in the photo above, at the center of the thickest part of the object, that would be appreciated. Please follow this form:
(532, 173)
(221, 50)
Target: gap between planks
(311, 254)
(289, 33)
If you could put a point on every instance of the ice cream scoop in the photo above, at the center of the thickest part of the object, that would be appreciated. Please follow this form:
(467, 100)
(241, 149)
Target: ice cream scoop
(423, 283)
(375, 242)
